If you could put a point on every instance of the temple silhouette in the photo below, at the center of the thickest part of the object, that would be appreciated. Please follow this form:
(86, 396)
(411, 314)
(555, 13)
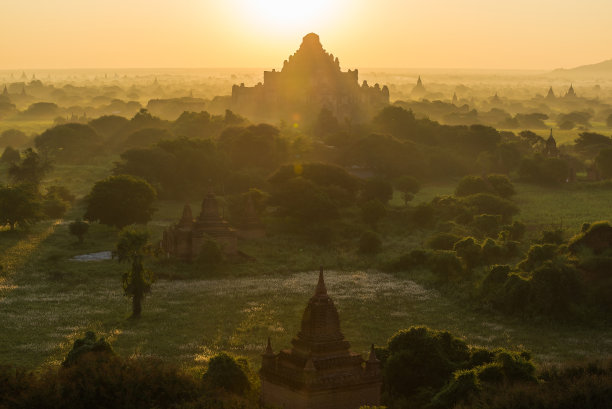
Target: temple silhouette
(310, 80)
(319, 371)
(184, 240)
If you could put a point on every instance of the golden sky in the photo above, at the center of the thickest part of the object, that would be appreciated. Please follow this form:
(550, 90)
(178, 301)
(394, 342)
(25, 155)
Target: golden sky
(512, 34)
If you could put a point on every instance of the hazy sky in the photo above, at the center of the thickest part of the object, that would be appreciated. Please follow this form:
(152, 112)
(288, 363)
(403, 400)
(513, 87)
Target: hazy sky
(535, 34)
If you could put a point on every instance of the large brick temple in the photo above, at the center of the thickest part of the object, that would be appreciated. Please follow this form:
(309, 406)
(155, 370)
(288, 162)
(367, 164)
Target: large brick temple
(310, 80)
(320, 371)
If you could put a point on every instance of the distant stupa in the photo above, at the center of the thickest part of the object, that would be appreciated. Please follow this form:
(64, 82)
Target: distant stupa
(570, 92)
(455, 99)
(551, 94)
(419, 90)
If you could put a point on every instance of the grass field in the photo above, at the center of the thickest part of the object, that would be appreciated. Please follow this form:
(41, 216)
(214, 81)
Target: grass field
(47, 300)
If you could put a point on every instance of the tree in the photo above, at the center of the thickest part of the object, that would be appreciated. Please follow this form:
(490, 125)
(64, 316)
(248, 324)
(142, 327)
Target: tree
(379, 189)
(303, 200)
(409, 186)
(120, 200)
(372, 211)
(369, 243)
(131, 247)
(18, 205)
(68, 143)
(603, 161)
(79, 228)
(87, 345)
(30, 170)
(10, 155)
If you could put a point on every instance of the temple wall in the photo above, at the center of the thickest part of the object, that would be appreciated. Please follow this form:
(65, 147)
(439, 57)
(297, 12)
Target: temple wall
(349, 397)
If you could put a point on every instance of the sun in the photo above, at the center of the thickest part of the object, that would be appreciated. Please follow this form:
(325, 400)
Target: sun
(284, 16)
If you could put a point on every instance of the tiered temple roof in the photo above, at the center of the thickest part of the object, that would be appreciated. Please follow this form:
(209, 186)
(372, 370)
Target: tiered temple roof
(320, 371)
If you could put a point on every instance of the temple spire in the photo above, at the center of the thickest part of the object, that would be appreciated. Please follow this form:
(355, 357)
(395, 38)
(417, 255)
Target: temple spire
(269, 350)
(321, 289)
(373, 357)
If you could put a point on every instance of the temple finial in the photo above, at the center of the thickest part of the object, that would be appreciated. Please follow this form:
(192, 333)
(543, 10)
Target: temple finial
(321, 289)
(269, 350)
(372, 357)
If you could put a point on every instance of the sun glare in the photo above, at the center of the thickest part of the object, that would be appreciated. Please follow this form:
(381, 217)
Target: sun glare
(288, 15)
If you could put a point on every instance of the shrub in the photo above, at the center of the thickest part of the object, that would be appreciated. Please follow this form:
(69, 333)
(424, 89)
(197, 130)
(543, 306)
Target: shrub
(552, 237)
(470, 185)
(372, 211)
(442, 241)
(370, 243)
(460, 389)
(538, 255)
(516, 294)
(423, 215)
(10, 155)
(79, 229)
(484, 203)
(445, 264)
(421, 359)
(224, 373)
(416, 258)
(469, 251)
(597, 237)
(377, 189)
(501, 185)
(491, 252)
(487, 224)
(87, 345)
(554, 288)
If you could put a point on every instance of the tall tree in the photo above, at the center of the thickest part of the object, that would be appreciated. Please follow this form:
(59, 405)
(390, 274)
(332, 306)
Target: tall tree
(120, 200)
(30, 170)
(18, 205)
(131, 248)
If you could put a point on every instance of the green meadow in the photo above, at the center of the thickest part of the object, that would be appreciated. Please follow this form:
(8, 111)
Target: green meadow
(47, 300)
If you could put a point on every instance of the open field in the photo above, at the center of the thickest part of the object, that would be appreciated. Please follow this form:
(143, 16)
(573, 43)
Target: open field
(47, 300)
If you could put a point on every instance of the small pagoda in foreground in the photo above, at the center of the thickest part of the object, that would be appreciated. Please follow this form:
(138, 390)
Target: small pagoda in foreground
(319, 371)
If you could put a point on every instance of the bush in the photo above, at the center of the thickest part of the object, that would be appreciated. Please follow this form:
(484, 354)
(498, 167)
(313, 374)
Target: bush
(10, 155)
(445, 264)
(469, 251)
(87, 345)
(370, 243)
(538, 255)
(372, 211)
(423, 215)
(415, 259)
(552, 237)
(442, 241)
(470, 185)
(554, 289)
(377, 189)
(79, 229)
(225, 373)
(501, 185)
(420, 361)
(491, 252)
(487, 224)
(484, 203)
